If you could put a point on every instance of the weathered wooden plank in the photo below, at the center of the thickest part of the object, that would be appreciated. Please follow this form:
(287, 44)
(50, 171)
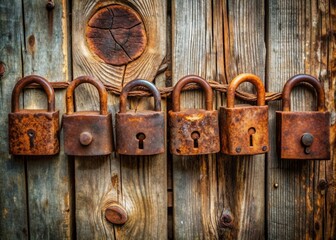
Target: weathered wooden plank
(217, 40)
(194, 178)
(326, 42)
(242, 179)
(46, 53)
(139, 184)
(328, 35)
(151, 58)
(13, 221)
(297, 204)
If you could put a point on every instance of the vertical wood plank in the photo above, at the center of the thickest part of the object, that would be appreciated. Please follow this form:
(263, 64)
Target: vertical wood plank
(194, 178)
(329, 48)
(217, 40)
(298, 42)
(242, 179)
(139, 184)
(13, 220)
(46, 53)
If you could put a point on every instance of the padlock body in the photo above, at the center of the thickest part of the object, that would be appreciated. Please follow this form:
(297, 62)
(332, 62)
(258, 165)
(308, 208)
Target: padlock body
(131, 124)
(99, 127)
(244, 130)
(33, 132)
(290, 128)
(183, 124)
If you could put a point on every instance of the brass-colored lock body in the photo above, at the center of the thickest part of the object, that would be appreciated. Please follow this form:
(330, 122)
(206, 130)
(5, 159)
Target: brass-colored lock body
(140, 132)
(87, 133)
(193, 131)
(244, 128)
(33, 132)
(303, 135)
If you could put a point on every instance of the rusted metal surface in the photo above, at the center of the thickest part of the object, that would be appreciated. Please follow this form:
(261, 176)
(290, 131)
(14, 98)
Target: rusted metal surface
(193, 131)
(116, 214)
(244, 128)
(33, 132)
(140, 132)
(116, 34)
(87, 133)
(303, 135)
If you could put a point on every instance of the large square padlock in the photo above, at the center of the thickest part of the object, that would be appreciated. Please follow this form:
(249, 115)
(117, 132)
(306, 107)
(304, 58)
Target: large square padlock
(33, 132)
(140, 132)
(303, 135)
(193, 131)
(244, 128)
(87, 133)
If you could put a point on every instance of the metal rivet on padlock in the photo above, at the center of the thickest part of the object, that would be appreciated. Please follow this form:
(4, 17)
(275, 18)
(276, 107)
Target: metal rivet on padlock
(193, 131)
(303, 135)
(140, 132)
(244, 128)
(87, 133)
(33, 132)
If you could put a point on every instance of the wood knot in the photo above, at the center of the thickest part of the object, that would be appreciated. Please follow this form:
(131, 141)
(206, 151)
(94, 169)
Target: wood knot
(226, 219)
(116, 214)
(116, 34)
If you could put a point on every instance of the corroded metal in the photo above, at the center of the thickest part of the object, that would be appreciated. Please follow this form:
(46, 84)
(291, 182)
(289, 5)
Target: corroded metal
(33, 132)
(87, 133)
(303, 135)
(140, 132)
(116, 34)
(193, 131)
(244, 128)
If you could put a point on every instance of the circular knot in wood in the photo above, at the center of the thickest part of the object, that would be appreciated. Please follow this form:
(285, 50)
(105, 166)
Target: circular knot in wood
(116, 34)
(116, 214)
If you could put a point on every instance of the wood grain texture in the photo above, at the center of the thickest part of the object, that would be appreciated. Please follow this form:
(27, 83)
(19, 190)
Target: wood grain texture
(139, 184)
(328, 11)
(146, 66)
(242, 179)
(116, 34)
(46, 53)
(217, 40)
(13, 219)
(297, 204)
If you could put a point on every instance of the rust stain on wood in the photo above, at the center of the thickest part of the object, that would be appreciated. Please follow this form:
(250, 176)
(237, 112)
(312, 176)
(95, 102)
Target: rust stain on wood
(116, 34)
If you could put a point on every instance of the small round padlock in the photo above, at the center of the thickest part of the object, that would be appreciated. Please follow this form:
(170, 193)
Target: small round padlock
(140, 132)
(303, 134)
(87, 133)
(244, 127)
(193, 131)
(33, 131)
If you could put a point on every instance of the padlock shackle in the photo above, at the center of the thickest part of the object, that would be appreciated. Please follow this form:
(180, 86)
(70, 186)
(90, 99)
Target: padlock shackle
(295, 80)
(136, 83)
(192, 79)
(23, 82)
(86, 79)
(246, 77)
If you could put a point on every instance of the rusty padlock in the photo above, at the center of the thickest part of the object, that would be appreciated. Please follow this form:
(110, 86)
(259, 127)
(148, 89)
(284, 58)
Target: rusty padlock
(303, 135)
(140, 132)
(87, 133)
(33, 132)
(244, 128)
(193, 131)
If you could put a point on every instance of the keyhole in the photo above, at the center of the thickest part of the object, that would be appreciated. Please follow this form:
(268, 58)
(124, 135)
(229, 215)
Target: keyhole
(31, 135)
(141, 137)
(195, 136)
(251, 131)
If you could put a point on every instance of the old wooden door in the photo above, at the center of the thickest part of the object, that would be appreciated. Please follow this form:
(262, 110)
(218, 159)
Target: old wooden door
(203, 197)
